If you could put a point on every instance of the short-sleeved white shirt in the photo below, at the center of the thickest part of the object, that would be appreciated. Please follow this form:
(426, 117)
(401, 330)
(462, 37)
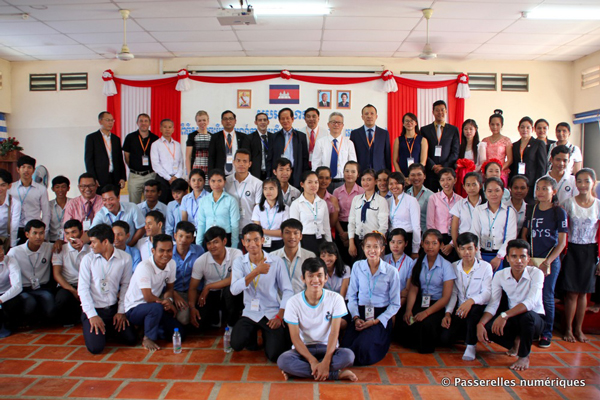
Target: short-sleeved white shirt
(70, 259)
(334, 283)
(206, 267)
(314, 321)
(148, 276)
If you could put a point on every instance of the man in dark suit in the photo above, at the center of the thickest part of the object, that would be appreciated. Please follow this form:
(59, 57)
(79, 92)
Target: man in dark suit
(291, 144)
(444, 144)
(225, 143)
(103, 154)
(260, 138)
(324, 102)
(371, 142)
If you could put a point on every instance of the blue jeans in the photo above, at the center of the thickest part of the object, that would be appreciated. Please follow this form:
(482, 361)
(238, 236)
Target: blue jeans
(548, 297)
(40, 300)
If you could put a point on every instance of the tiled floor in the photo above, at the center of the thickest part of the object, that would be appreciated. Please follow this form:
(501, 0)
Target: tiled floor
(53, 363)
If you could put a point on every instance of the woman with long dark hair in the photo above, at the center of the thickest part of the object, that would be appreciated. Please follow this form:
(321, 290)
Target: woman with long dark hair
(409, 147)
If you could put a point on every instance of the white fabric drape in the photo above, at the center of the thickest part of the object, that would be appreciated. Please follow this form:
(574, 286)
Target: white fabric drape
(425, 100)
(134, 101)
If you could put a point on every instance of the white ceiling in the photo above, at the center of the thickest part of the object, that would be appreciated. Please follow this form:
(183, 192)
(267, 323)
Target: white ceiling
(459, 29)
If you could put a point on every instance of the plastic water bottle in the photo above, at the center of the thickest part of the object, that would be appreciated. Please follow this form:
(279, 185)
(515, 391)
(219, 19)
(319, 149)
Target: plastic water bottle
(227, 341)
(176, 341)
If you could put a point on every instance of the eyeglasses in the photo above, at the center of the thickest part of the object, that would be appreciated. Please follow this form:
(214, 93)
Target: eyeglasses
(336, 122)
(108, 120)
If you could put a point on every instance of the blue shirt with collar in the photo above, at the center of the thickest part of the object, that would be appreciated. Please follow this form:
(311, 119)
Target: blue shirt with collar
(183, 273)
(267, 286)
(136, 256)
(441, 272)
(289, 151)
(404, 267)
(191, 204)
(379, 290)
(158, 207)
(367, 131)
(225, 213)
(128, 212)
(173, 217)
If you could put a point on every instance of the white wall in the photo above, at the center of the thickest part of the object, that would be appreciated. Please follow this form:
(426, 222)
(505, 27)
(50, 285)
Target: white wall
(5, 92)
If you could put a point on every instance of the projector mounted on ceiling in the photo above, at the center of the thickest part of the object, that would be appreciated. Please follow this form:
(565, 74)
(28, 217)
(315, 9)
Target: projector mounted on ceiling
(228, 17)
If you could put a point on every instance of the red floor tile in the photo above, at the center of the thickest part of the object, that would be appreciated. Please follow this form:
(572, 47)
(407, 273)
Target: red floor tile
(166, 355)
(142, 390)
(249, 357)
(497, 359)
(495, 393)
(52, 329)
(96, 389)
(128, 354)
(52, 368)
(578, 346)
(406, 376)
(19, 338)
(82, 354)
(53, 353)
(54, 338)
(207, 356)
(591, 377)
(93, 370)
(545, 360)
(15, 367)
(17, 351)
(579, 359)
(12, 386)
(455, 360)
(178, 372)
(240, 391)
(199, 342)
(388, 361)
(51, 387)
(538, 373)
(190, 391)
(420, 360)
(581, 393)
(366, 374)
(291, 391)
(440, 373)
(390, 392)
(78, 340)
(439, 392)
(264, 374)
(223, 373)
(493, 373)
(536, 393)
(135, 371)
(339, 391)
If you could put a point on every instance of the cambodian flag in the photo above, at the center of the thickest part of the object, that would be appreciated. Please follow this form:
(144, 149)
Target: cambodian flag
(284, 94)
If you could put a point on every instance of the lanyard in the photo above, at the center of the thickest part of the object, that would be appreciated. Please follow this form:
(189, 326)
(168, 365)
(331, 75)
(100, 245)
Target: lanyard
(372, 139)
(87, 216)
(177, 215)
(339, 148)
(172, 153)
(401, 262)
(372, 287)
(224, 272)
(441, 132)
(26, 193)
(522, 151)
(430, 278)
(396, 208)
(490, 223)
(293, 272)
(240, 195)
(420, 195)
(255, 281)
(119, 215)
(287, 198)
(108, 145)
(142, 144)
(32, 264)
(448, 202)
(195, 206)
(315, 213)
(264, 142)
(229, 143)
(288, 142)
(466, 289)
(62, 215)
(214, 209)
(275, 209)
(410, 148)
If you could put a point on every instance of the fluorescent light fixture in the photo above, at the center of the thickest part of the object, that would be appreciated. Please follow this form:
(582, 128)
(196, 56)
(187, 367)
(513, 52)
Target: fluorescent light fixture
(14, 17)
(299, 9)
(563, 13)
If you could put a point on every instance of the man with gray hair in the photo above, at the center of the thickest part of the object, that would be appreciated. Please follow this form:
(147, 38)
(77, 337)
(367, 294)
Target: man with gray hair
(334, 150)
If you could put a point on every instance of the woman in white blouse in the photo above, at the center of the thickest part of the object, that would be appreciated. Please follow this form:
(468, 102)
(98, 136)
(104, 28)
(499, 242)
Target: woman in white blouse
(270, 213)
(405, 213)
(312, 211)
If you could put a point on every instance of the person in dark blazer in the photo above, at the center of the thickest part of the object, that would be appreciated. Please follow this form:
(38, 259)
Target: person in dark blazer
(377, 155)
(217, 150)
(106, 170)
(291, 144)
(541, 130)
(449, 142)
(261, 140)
(529, 156)
(324, 100)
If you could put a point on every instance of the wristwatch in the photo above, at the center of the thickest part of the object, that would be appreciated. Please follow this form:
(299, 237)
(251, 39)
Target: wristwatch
(171, 300)
(503, 315)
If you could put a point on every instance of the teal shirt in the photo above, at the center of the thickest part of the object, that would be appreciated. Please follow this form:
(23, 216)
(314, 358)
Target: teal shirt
(224, 213)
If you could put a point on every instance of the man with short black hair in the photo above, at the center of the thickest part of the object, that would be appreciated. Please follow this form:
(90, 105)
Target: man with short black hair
(292, 253)
(372, 143)
(60, 186)
(312, 131)
(155, 222)
(10, 212)
(224, 144)
(261, 137)
(152, 192)
(243, 187)
(121, 231)
(115, 210)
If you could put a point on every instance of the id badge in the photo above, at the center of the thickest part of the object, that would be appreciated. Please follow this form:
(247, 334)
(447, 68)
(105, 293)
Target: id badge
(242, 213)
(145, 161)
(61, 233)
(425, 301)
(255, 305)
(35, 283)
(268, 241)
(410, 161)
(521, 168)
(317, 232)
(103, 286)
(438, 151)
(488, 243)
(229, 159)
(369, 313)
(87, 224)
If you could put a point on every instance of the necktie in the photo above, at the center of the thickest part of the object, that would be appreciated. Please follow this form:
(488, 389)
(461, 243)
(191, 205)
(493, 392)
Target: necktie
(439, 132)
(363, 212)
(265, 143)
(228, 150)
(370, 132)
(265, 149)
(311, 145)
(88, 211)
(333, 164)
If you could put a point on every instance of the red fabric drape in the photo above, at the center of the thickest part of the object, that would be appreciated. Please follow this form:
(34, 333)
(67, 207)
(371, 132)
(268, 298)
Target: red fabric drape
(166, 103)
(113, 106)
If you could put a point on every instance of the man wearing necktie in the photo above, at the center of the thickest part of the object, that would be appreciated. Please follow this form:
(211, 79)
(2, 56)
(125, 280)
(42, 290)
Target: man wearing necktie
(313, 131)
(225, 143)
(261, 138)
(371, 142)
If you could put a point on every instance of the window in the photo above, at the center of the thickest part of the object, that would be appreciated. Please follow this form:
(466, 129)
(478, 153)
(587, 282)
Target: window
(515, 82)
(482, 81)
(74, 81)
(42, 82)
(590, 77)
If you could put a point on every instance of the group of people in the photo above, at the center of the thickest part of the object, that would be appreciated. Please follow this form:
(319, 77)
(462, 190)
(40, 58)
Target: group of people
(307, 236)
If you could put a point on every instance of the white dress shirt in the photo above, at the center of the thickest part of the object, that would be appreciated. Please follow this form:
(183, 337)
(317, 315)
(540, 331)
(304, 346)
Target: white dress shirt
(10, 209)
(566, 188)
(148, 276)
(528, 290)
(270, 218)
(476, 285)
(290, 195)
(70, 259)
(294, 267)
(94, 269)
(463, 210)
(34, 203)
(10, 279)
(324, 148)
(144, 245)
(491, 226)
(33, 265)
(520, 214)
(56, 217)
(314, 216)
(405, 213)
(247, 193)
(376, 219)
(166, 159)
(206, 267)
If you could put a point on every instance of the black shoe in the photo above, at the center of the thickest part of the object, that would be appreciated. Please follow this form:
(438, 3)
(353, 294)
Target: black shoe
(545, 342)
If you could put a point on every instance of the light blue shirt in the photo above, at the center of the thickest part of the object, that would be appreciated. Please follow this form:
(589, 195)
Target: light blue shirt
(404, 267)
(367, 131)
(136, 257)
(224, 213)
(423, 200)
(173, 217)
(289, 150)
(158, 207)
(267, 286)
(190, 205)
(432, 280)
(183, 274)
(128, 212)
(379, 290)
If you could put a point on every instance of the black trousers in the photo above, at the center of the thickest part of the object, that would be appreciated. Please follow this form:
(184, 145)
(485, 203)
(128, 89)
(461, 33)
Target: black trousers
(453, 256)
(9, 314)
(21, 236)
(424, 335)
(165, 190)
(526, 326)
(340, 244)
(311, 243)
(244, 334)
(67, 307)
(95, 343)
(463, 328)
(221, 300)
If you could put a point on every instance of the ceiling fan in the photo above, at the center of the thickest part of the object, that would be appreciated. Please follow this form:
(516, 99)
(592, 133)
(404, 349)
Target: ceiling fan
(427, 53)
(125, 54)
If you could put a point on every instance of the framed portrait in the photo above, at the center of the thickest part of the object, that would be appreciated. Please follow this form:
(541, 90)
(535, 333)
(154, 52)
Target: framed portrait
(324, 99)
(344, 99)
(244, 98)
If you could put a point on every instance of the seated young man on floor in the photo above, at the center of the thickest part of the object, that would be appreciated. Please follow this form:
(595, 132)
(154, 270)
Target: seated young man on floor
(65, 267)
(214, 267)
(314, 317)
(149, 299)
(516, 327)
(104, 276)
(260, 276)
